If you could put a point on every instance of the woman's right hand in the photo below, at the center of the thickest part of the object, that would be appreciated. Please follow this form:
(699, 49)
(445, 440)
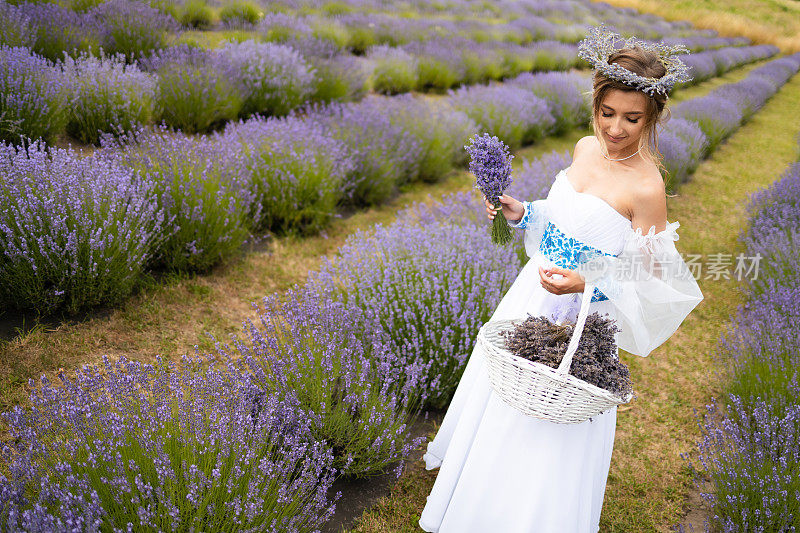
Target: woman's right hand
(512, 208)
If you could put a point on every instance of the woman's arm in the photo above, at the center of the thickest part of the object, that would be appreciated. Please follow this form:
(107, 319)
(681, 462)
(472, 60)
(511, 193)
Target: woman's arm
(649, 206)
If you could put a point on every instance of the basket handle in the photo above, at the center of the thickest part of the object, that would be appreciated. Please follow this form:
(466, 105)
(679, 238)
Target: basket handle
(566, 361)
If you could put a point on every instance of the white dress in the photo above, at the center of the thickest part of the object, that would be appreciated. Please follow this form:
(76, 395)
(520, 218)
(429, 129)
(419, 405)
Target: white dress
(505, 472)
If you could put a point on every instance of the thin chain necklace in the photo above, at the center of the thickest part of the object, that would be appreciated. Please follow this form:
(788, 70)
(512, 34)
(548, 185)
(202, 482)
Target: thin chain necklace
(624, 158)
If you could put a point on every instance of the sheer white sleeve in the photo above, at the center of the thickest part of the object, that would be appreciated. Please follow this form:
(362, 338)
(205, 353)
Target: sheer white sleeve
(533, 222)
(650, 286)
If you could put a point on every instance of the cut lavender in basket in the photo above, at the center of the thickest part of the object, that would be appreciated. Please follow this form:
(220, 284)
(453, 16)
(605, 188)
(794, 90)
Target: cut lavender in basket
(541, 341)
(490, 162)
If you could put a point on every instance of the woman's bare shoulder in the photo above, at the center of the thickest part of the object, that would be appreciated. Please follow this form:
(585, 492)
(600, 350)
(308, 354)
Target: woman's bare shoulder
(584, 143)
(650, 184)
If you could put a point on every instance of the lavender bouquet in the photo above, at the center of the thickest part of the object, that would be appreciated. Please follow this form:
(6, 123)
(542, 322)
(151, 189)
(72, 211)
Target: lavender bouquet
(490, 162)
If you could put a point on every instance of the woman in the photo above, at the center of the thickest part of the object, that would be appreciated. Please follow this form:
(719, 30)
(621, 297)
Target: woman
(505, 472)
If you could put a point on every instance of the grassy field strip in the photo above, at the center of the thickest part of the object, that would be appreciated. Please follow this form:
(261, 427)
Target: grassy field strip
(648, 483)
(172, 315)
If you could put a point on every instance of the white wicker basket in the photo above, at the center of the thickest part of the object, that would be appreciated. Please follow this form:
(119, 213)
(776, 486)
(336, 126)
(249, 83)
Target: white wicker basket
(536, 389)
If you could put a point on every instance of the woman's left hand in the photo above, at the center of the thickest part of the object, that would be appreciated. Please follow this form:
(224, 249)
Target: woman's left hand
(568, 282)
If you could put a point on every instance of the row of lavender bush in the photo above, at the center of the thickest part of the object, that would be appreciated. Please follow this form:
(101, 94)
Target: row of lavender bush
(180, 203)
(127, 27)
(91, 24)
(190, 89)
(439, 64)
(373, 29)
(509, 112)
(698, 126)
(749, 447)
(201, 198)
(193, 446)
(710, 63)
(198, 90)
(251, 442)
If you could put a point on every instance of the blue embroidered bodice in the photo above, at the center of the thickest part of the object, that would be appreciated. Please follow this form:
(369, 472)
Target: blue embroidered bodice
(563, 250)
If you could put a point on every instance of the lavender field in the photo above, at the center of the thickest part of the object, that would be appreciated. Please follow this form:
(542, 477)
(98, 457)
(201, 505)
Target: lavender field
(149, 145)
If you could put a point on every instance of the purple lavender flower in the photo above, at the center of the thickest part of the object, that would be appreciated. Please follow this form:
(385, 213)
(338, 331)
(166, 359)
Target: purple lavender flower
(565, 96)
(508, 112)
(536, 177)
(716, 116)
(533, 28)
(728, 58)
(749, 447)
(106, 95)
(750, 94)
(440, 132)
(171, 446)
(709, 63)
(74, 232)
(778, 71)
(196, 91)
(701, 66)
(273, 79)
(490, 163)
(418, 298)
(394, 71)
(774, 232)
(57, 30)
(750, 453)
(204, 188)
(194, 14)
(240, 15)
(281, 27)
(32, 102)
(683, 145)
(15, 27)
(340, 78)
(538, 56)
(363, 402)
(131, 28)
(439, 63)
(296, 170)
(383, 152)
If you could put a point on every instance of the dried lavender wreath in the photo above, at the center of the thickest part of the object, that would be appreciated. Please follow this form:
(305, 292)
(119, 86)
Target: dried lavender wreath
(541, 341)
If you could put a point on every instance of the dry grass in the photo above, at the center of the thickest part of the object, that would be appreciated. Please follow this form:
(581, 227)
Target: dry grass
(649, 482)
(774, 22)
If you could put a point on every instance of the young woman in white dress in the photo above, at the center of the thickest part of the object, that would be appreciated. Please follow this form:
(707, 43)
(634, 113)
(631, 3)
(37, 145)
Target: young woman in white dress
(500, 470)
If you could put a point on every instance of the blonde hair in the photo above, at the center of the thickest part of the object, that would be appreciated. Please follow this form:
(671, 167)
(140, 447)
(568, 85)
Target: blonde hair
(643, 63)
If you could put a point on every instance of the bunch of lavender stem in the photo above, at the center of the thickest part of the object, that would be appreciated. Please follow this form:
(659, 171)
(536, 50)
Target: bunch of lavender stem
(490, 162)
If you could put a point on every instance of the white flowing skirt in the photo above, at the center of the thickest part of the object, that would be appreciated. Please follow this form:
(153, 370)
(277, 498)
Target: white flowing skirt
(504, 472)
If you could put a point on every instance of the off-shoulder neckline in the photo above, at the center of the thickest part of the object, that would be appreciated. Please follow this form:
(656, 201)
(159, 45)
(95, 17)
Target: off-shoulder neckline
(650, 233)
(563, 174)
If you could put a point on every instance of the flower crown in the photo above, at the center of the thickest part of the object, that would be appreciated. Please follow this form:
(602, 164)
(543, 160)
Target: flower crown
(599, 44)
